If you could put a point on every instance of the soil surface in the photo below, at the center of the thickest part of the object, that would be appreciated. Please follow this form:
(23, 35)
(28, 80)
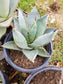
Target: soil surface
(14, 76)
(47, 77)
(55, 6)
(1, 53)
(19, 78)
(5, 67)
(21, 60)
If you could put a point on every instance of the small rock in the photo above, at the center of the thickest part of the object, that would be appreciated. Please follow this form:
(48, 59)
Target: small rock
(53, 20)
(16, 61)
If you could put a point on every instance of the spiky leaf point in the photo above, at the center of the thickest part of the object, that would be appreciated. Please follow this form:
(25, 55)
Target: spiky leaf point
(44, 39)
(31, 55)
(32, 15)
(6, 23)
(48, 30)
(20, 40)
(41, 24)
(43, 53)
(2, 31)
(11, 45)
(21, 19)
(4, 8)
(32, 32)
(13, 4)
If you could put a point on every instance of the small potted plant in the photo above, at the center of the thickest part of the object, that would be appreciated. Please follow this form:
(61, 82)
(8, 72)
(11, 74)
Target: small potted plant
(32, 40)
(3, 79)
(48, 75)
(7, 8)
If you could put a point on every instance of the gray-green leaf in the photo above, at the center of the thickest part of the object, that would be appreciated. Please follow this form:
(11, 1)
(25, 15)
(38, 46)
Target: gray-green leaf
(11, 45)
(2, 31)
(41, 24)
(31, 55)
(43, 53)
(25, 34)
(21, 19)
(16, 24)
(32, 32)
(13, 4)
(4, 8)
(32, 15)
(48, 30)
(44, 39)
(23, 30)
(2, 19)
(6, 23)
(20, 40)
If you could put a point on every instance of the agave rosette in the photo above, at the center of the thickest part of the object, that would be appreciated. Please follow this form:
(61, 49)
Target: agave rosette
(31, 35)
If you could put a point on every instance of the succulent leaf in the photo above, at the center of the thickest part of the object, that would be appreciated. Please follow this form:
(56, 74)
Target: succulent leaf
(32, 15)
(13, 4)
(32, 32)
(31, 55)
(16, 25)
(23, 30)
(4, 8)
(2, 31)
(48, 30)
(21, 18)
(6, 23)
(42, 52)
(41, 24)
(11, 45)
(20, 40)
(25, 34)
(43, 40)
(2, 19)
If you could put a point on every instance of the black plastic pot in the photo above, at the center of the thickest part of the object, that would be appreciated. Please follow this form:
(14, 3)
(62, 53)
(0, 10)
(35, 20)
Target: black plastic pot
(32, 75)
(7, 31)
(9, 37)
(4, 78)
(2, 39)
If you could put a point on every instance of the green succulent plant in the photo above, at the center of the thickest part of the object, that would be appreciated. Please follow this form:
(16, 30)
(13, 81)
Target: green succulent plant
(30, 34)
(7, 8)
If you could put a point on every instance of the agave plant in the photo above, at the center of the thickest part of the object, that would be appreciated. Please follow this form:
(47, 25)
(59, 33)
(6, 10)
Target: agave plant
(30, 35)
(7, 8)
